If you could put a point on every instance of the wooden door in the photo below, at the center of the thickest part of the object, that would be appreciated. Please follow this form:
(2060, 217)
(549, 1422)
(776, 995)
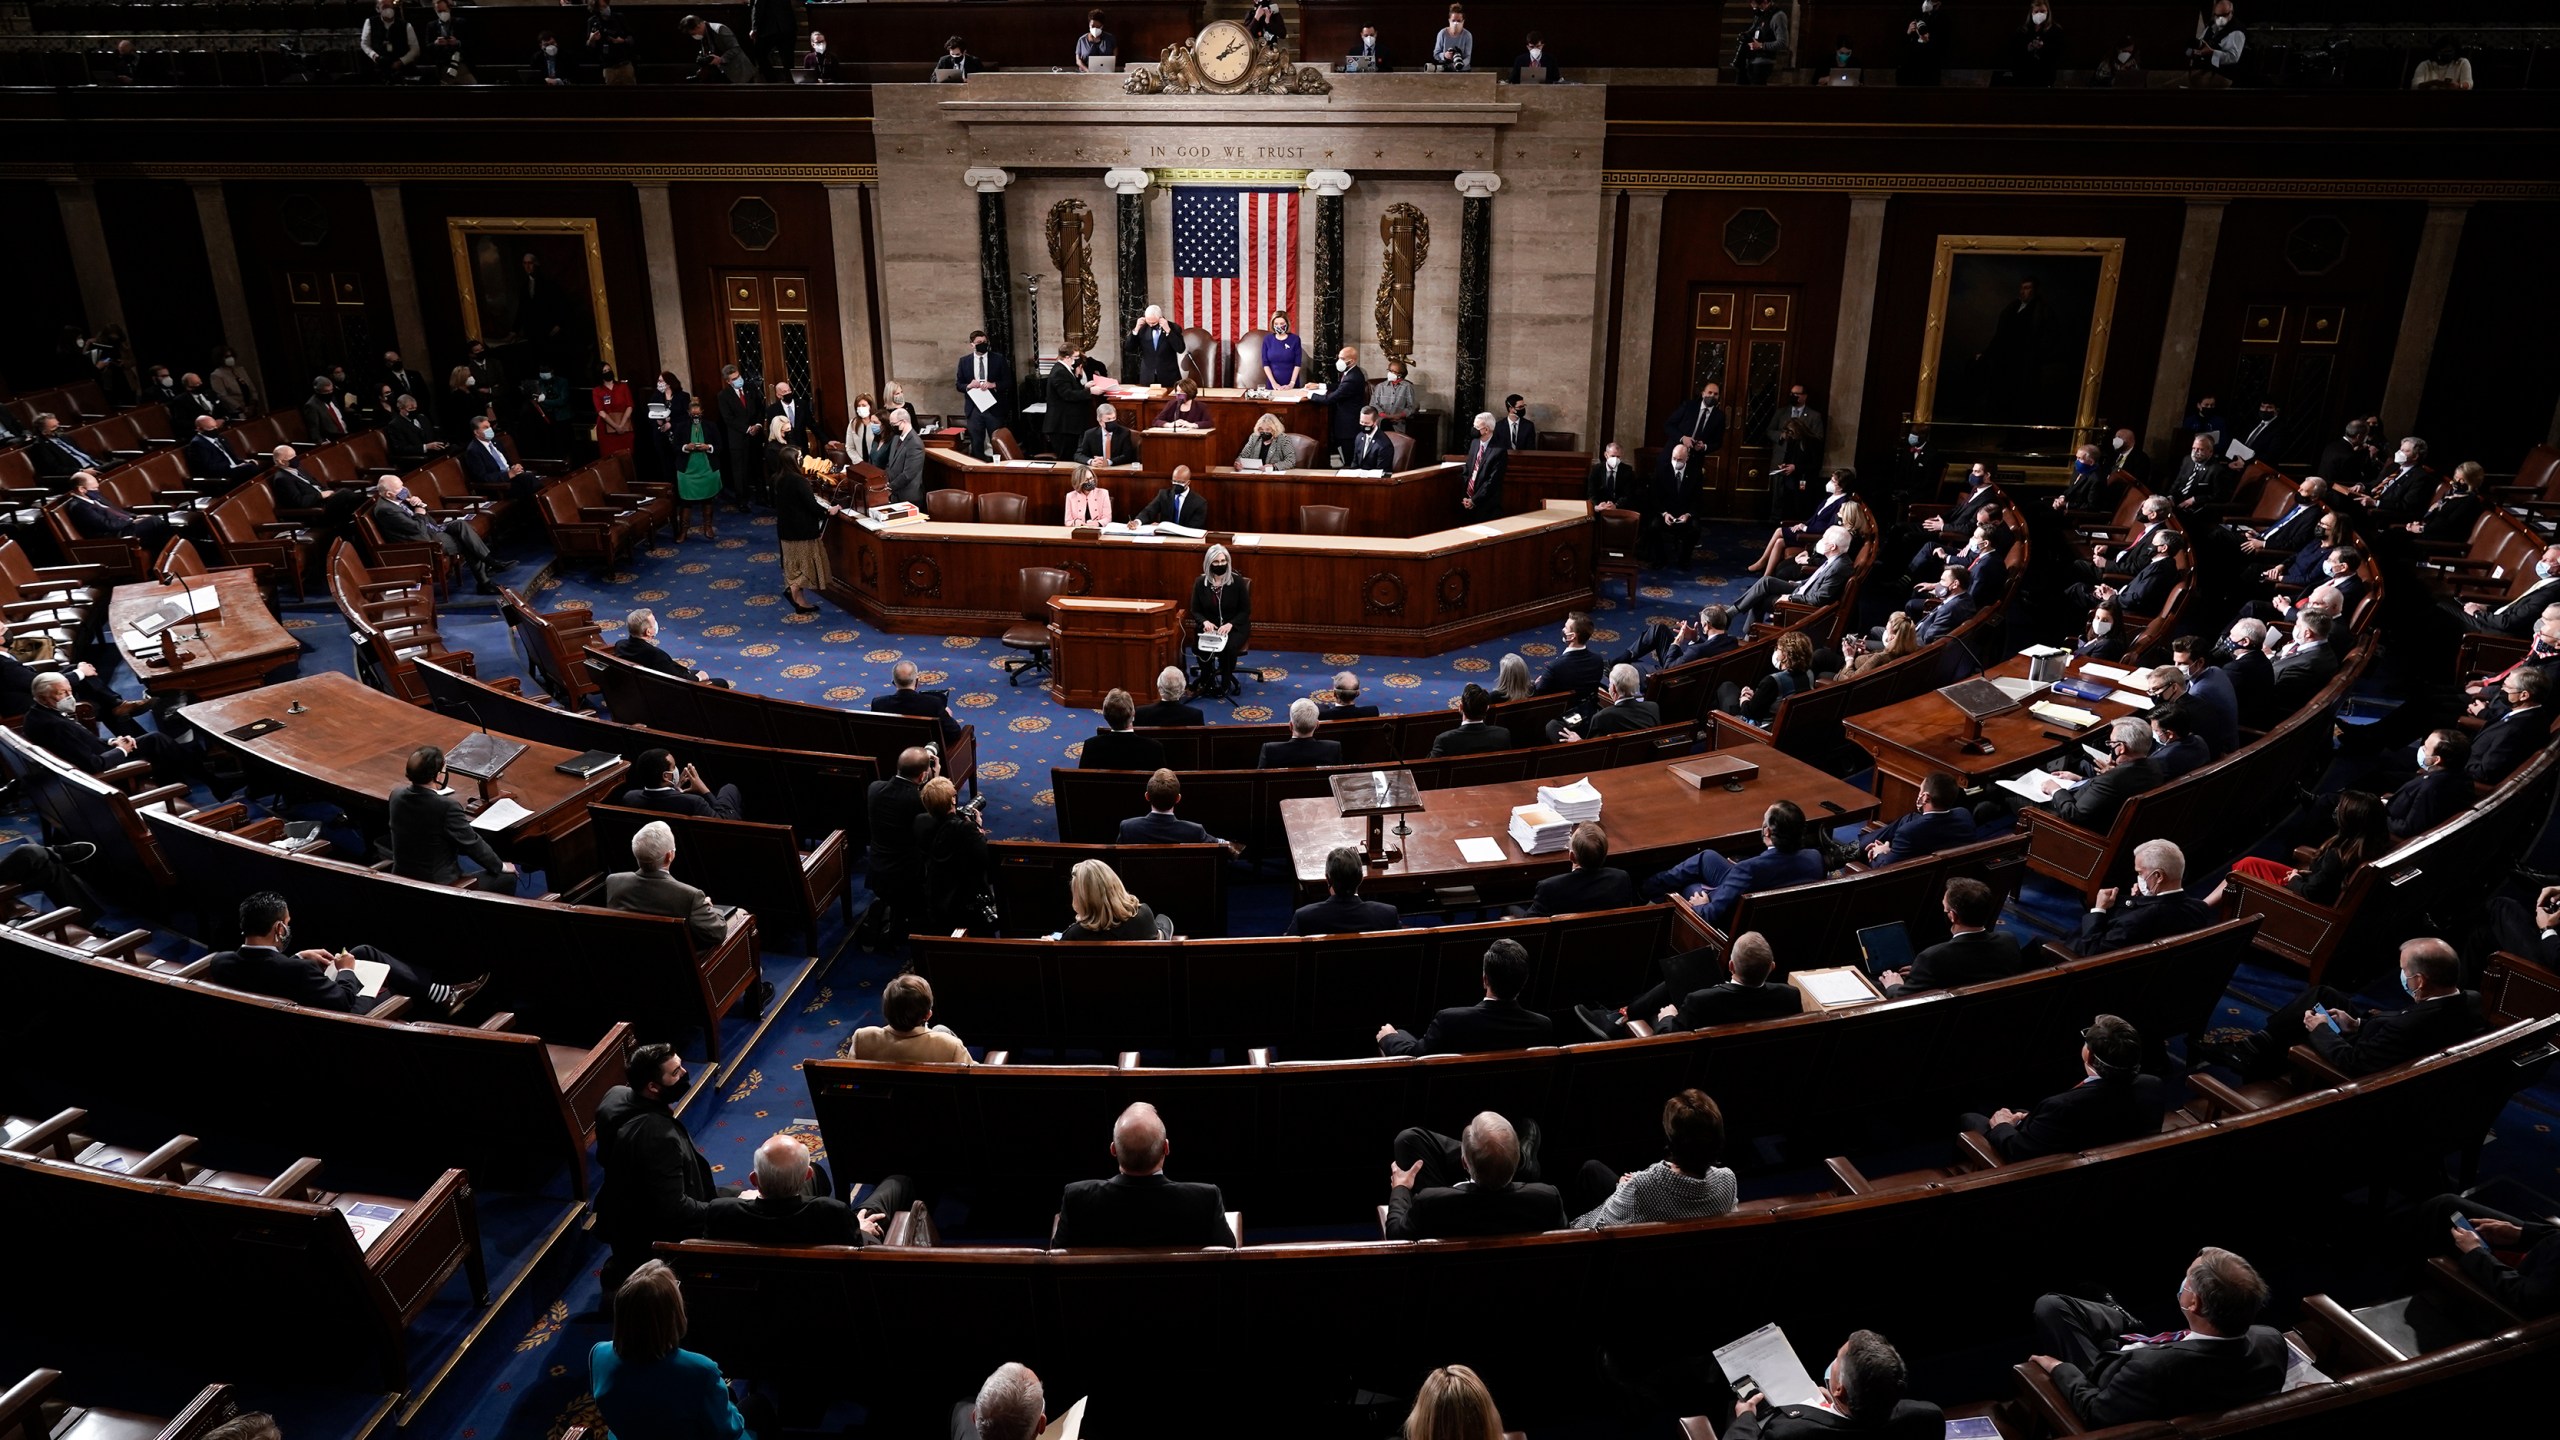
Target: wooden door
(2289, 350)
(1743, 337)
(765, 330)
(333, 324)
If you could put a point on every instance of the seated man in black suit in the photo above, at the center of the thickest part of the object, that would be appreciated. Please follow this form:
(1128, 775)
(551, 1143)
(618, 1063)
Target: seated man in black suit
(2442, 789)
(53, 722)
(2530, 1287)
(657, 1184)
(1688, 999)
(95, 518)
(663, 786)
(789, 1204)
(1973, 951)
(2158, 908)
(2114, 1102)
(1109, 442)
(1160, 826)
(431, 833)
(2307, 665)
(2100, 791)
(2505, 743)
(402, 519)
(320, 979)
(1941, 822)
(905, 699)
(1592, 883)
(639, 645)
(1627, 710)
(1302, 747)
(1176, 504)
(1669, 645)
(2219, 1360)
(289, 487)
(1471, 736)
(1112, 747)
(1342, 911)
(1139, 1206)
(1171, 707)
(210, 462)
(1863, 1393)
(2532, 931)
(1579, 670)
(1345, 704)
(1498, 1022)
(2358, 1038)
(1426, 1199)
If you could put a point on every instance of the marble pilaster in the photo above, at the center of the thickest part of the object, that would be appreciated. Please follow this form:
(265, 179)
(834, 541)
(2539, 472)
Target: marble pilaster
(2430, 280)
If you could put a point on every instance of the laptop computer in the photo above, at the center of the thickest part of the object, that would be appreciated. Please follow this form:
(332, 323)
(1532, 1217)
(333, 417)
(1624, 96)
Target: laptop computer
(1101, 64)
(1359, 64)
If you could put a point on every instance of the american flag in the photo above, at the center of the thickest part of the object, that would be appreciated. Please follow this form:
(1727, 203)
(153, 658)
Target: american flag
(1235, 260)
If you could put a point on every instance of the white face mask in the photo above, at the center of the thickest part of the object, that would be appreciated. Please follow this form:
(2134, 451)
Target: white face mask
(864, 410)
(2124, 57)
(2036, 15)
(2400, 457)
(2100, 625)
(69, 704)
(1094, 30)
(1912, 438)
(1777, 660)
(818, 48)
(549, 50)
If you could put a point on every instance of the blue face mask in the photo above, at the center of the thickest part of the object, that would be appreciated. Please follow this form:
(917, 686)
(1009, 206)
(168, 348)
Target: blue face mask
(2406, 986)
(2542, 570)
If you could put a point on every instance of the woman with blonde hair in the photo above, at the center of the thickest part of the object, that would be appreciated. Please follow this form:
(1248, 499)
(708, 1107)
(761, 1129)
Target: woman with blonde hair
(1788, 544)
(1511, 679)
(1454, 1405)
(1222, 606)
(1087, 502)
(1270, 448)
(1104, 910)
(1901, 637)
(646, 1386)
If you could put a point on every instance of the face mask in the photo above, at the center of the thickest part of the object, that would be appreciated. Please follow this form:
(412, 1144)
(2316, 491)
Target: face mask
(1218, 570)
(1094, 30)
(2542, 570)
(1843, 57)
(1777, 661)
(2142, 885)
(1927, 5)
(863, 410)
(550, 49)
(820, 48)
(737, 382)
(2412, 990)
(980, 347)
(2036, 15)
(159, 379)
(1085, 484)
(69, 704)
(545, 374)
(2100, 625)
(1181, 489)
(487, 434)
(1912, 438)
(2400, 457)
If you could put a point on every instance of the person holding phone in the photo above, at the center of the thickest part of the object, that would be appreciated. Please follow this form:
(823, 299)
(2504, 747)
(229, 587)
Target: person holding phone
(2516, 1260)
(2359, 1039)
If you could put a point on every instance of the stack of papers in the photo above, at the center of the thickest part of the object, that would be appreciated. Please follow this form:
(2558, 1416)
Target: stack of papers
(369, 1221)
(1480, 850)
(2038, 784)
(2071, 715)
(1578, 803)
(1185, 531)
(2108, 673)
(1538, 830)
(499, 814)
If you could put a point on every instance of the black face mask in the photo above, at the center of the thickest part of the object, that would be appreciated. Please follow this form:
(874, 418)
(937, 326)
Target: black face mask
(1218, 570)
(980, 347)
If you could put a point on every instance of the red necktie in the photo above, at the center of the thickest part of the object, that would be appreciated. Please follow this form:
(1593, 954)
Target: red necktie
(2530, 656)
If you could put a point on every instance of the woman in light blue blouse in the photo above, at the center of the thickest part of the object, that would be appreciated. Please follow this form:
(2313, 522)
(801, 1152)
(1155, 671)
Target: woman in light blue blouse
(646, 1387)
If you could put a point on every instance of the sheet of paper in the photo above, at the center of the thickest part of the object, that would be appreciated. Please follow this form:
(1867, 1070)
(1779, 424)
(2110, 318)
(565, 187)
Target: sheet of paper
(2017, 688)
(1771, 1362)
(1485, 530)
(1836, 988)
(1185, 531)
(1068, 1426)
(372, 973)
(1973, 1427)
(1244, 540)
(499, 815)
(369, 1222)
(2238, 450)
(2039, 652)
(1480, 850)
(1579, 792)
(983, 399)
(2096, 755)
(2071, 715)
(2128, 697)
(2108, 673)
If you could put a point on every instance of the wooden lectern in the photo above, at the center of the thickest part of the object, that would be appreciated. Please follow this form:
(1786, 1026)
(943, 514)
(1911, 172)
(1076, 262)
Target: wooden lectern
(1097, 646)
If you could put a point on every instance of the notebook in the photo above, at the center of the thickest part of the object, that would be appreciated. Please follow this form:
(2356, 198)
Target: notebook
(588, 765)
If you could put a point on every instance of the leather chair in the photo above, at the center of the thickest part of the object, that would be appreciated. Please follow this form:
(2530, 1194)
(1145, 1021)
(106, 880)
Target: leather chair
(1324, 519)
(1402, 444)
(1030, 634)
(1617, 547)
(1003, 507)
(1559, 440)
(1312, 452)
(1001, 441)
(1247, 359)
(951, 507)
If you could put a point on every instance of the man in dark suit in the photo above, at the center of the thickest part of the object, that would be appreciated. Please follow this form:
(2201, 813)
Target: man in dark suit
(2093, 802)
(2450, 519)
(1613, 481)
(2367, 1038)
(2113, 1102)
(1109, 442)
(2200, 480)
(1498, 1022)
(2207, 690)
(1369, 448)
(402, 519)
(1689, 998)
(657, 1186)
(1140, 1205)
(1713, 885)
(1480, 493)
(1592, 884)
(2516, 617)
(2349, 460)
(2406, 486)
(982, 371)
(410, 435)
(2110, 1375)
(2149, 588)
(639, 645)
(1345, 704)
(2442, 789)
(1701, 422)
(54, 456)
(1823, 586)
(660, 784)
(1973, 951)
(485, 465)
(91, 515)
(1536, 57)
(2529, 1287)
(1159, 347)
(2507, 742)
(1471, 735)
(1346, 400)
(1171, 708)
(1670, 504)
(2265, 438)
(1577, 672)
(802, 427)
(905, 699)
(53, 722)
(1342, 911)
(2307, 666)
(431, 833)
(1862, 1394)
(1160, 826)
(782, 1210)
(1949, 613)
(1710, 634)
(1941, 822)
(2176, 747)
(2251, 673)
(1981, 502)
(2296, 526)
(651, 889)
(209, 461)
(324, 415)
(740, 410)
(905, 467)
(1113, 747)
(1515, 430)
(319, 979)
(1627, 710)
(402, 379)
(2158, 908)
(1302, 747)
(1176, 504)
(1426, 1199)
(896, 870)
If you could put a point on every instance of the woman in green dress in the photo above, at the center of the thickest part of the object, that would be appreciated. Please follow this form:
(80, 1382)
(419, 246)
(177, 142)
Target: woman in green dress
(697, 480)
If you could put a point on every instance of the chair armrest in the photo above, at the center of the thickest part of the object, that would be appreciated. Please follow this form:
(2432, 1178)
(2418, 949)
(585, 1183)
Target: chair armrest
(2221, 1099)
(499, 1023)
(2446, 1279)
(1982, 1148)
(2043, 1399)
(116, 775)
(1642, 1030)
(1720, 723)
(74, 574)
(2345, 1344)
(2308, 1064)
(389, 1007)
(166, 1163)
(53, 1136)
(1846, 1176)
(294, 1183)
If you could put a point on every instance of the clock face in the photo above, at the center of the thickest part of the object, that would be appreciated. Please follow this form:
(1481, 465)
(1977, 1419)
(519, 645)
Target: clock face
(1224, 51)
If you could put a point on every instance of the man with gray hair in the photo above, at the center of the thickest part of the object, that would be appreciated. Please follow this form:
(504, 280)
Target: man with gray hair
(1302, 747)
(2088, 794)
(2158, 908)
(1864, 1388)
(639, 645)
(1486, 458)
(54, 723)
(1141, 1205)
(1428, 1200)
(1009, 1407)
(905, 699)
(1626, 709)
(1171, 707)
(402, 519)
(789, 1204)
(1345, 704)
(2111, 1374)
(1159, 347)
(1819, 588)
(652, 890)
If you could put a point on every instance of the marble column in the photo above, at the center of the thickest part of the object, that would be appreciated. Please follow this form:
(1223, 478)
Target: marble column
(666, 284)
(1856, 330)
(2430, 280)
(2183, 325)
(230, 295)
(854, 319)
(1475, 293)
(1636, 303)
(1129, 185)
(101, 305)
(1330, 186)
(995, 261)
(391, 232)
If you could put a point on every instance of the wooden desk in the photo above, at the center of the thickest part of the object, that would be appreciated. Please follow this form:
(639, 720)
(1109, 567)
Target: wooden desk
(1098, 645)
(238, 649)
(1921, 734)
(351, 745)
(1653, 817)
(1401, 505)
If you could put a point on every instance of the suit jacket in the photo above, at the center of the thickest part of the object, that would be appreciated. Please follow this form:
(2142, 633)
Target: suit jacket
(94, 517)
(1620, 717)
(2392, 1037)
(73, 739)
(429, 834)
(1626, 489)
(210, 460)
(657, 1186)
(1730, 1003)
(1515, 432)
(1771, 869)
(2198, 480)
(399, 524)
(1272, 452)
(1341, 915)
(2140, 919)
(1474, 1029)
(1167, 828)
(655, 892)
(1192, 509)
(2403, 495)
(998, 372)
(2253, 681)
(1942, 622)
(2517, 616)
(1967, 959)
(1699, 649)
(293, 490)
(1120, 750)
(486, 466)
(2451, 520)
(1159, 355)
(58, 459)
(2193, 752)
(936, 703)
(1344, 398)
(2504, 745)
(668, 800)
(1575, 672)
(1908, 1420)
(2149, 589)
(1456, 1211)
(2155, 1382)
(2299, 676)
(646, 653)
(1706, 426)
(2295, 528)
(2416, 807)
(782, 1220)
(1465, 739)
(1346, 712)
(1926, 832)
(2216, 708)
(906, 470)
(1278, 754)
(1128, 1210)
(2093, 1113)
(17, 686)
(1124, 445)
(1373, 451)
(1824, 584)
(262, 971)
(739, 410)
(1170, 713)
(2092, 804)
(326, 420)
(897, 861)
(807, 432)
(1486, 460)
(1604, 887)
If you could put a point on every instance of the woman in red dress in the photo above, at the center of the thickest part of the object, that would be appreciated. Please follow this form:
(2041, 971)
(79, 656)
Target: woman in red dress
(613, 414)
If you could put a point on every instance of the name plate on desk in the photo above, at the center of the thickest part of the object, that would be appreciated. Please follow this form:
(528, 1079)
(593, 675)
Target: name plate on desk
(1715, 769)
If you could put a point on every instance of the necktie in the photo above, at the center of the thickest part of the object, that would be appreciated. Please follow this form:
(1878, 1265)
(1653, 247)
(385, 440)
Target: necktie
(1106, 445)
(982, 367)
(2532, 655)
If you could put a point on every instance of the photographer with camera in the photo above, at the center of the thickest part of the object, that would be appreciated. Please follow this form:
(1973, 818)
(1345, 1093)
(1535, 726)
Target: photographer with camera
(959, 879)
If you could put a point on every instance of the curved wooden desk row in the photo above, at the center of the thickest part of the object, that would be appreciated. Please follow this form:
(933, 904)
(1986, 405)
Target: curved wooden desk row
(1420, 596)
(1299, 1140)
(1950, 1245)
(1409, 502)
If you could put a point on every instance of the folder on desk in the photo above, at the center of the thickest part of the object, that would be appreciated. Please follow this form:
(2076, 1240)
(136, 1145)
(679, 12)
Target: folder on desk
(588, 765)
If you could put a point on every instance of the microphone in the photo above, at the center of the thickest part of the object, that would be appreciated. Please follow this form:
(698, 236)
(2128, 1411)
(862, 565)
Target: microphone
(465, 703)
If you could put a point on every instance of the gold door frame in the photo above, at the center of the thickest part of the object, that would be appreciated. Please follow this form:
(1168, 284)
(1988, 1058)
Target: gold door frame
(459, 231)
(2110, 252)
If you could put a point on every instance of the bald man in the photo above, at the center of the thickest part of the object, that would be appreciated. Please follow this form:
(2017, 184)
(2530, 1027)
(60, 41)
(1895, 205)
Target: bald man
(210, 462)
(1140, 1205)
(789, 1204)
(1426, 1199)
(905, 699)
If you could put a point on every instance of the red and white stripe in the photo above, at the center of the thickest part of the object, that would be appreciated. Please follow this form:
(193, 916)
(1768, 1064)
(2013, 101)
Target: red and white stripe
(1266, 275)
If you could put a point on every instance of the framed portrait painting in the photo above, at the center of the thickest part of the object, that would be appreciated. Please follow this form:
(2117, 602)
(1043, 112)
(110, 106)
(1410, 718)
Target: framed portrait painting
(2017, 333)
(534, 289)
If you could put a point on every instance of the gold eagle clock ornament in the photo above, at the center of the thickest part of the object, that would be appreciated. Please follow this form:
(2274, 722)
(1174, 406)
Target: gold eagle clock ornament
(1225, 53)
(1226, 59)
